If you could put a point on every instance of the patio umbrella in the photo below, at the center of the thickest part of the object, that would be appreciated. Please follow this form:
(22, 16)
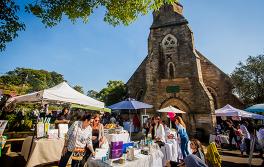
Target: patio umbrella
(256, 108)
(171, 109)
(129, 104)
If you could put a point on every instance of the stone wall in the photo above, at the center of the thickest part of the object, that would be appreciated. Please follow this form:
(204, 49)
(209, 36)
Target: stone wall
(220, 84)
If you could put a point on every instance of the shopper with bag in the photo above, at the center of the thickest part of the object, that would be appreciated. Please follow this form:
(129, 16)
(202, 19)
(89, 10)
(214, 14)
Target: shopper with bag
(78, 137)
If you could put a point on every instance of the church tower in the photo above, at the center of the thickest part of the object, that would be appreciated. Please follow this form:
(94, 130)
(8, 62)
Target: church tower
(173, 70)
(172, 74)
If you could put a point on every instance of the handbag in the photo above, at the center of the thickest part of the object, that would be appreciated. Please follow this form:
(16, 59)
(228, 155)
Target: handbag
(78, 153)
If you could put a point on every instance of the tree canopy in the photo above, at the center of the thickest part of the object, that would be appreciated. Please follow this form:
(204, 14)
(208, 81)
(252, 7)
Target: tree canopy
(248, 80)
(92, 94)
(51, 12)
(115, 92)
(79, 88)
(26, 80)
(9, 22)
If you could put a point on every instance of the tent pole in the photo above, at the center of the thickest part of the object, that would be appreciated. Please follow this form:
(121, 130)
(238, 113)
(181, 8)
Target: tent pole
(130, 124)
(145, 112)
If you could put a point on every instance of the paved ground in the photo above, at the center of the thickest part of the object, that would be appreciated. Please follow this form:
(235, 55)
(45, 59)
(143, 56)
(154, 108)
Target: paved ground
(229, 159)
(234, 159)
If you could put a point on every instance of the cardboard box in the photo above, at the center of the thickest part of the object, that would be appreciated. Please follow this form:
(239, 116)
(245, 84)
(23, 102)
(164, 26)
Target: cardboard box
(117, 153)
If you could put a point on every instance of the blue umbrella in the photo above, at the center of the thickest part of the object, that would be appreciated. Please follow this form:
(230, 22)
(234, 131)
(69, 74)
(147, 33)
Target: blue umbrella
(256, 108)
(129, 104)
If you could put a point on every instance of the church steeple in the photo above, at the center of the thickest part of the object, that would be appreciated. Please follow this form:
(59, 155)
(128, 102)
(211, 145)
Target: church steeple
(168, 15)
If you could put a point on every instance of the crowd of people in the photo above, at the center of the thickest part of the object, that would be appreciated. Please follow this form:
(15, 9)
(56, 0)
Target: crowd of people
(83, 137)
(87, 133)
(158, 131)
(241, 133)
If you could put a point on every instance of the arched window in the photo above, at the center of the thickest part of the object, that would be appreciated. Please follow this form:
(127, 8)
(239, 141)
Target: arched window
(169, 42)
(140, 94)
(214, 96)
(171, 70)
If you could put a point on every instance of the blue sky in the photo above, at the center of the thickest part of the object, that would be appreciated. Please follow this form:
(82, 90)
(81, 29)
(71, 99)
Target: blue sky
(89, 55)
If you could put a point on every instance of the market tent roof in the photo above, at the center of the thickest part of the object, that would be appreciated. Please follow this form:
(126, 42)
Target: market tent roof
(59, 93)
(256, 108)
(257, 116)
(90, 108)
(171, 109)
(228, 110)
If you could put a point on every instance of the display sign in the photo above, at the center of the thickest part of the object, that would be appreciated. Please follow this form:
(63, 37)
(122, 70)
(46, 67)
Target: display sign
(40, 130)
(173, 89)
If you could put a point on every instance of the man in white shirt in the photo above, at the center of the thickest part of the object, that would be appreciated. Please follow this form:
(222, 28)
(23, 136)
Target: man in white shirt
(246, 137)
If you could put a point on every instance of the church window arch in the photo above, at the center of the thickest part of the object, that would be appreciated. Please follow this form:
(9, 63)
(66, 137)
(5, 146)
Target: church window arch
(169, 41)
(171, 70)
(139, 95)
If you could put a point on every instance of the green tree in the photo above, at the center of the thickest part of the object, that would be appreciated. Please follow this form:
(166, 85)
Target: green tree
(92, 93)
(248, 80)
(25, 80)
(9, 22)
(113, 93)
(78, 88)
(51, 12)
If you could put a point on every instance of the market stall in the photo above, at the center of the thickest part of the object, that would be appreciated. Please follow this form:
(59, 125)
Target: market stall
(47, 143)
(171, 149)
(59, 93)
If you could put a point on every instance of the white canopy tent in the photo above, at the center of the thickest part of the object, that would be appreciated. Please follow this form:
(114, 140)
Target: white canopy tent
(228, 110)
(59, 93)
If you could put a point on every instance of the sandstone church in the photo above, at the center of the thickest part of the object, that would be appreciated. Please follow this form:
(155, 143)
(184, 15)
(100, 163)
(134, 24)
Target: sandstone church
(175, 73)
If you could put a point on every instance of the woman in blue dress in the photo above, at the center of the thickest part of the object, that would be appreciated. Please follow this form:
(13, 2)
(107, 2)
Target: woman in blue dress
(181, 128)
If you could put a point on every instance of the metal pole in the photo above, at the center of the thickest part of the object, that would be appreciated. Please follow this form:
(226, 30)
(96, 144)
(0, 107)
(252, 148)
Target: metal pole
(130, 124)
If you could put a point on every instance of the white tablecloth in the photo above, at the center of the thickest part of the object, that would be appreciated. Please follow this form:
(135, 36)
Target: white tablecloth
(43, 151)
(117, 137)
(171, 151)
(152, 160)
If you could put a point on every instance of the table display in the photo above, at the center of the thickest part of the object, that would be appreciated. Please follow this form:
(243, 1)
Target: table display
(124, 137)
(153, 159)
(114, 133)
(43, 150)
